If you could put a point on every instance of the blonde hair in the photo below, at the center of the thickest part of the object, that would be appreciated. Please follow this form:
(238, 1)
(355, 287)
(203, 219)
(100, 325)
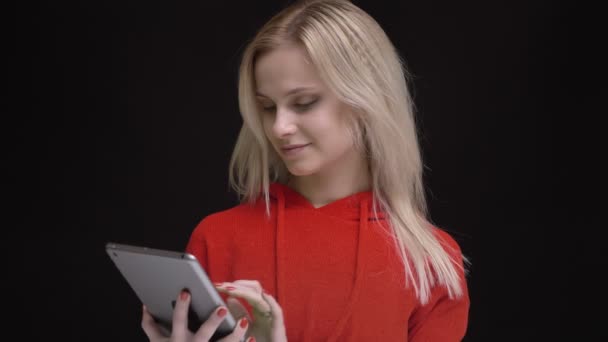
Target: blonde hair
(356, 59)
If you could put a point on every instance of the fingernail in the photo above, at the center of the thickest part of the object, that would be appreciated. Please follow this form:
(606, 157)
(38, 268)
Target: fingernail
(184, 295)
(230, 288)
(251, 339)
(244, 322)
(217, 284)
(222, 312)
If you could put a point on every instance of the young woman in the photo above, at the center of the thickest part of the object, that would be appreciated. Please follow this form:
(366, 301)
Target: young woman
(332, 241)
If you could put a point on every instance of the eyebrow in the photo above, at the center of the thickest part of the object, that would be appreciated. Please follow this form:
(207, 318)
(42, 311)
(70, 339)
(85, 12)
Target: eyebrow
(291, 92)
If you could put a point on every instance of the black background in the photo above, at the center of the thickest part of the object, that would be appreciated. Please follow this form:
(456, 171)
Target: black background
(120, 117)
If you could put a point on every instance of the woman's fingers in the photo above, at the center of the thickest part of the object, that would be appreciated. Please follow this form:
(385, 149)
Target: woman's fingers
(252, 284)
(238, 333)
(248, 290)
(274, 305)
(236, 308)
(206, 331)
(278, 324)
(210, 326)
(180, 330)
(271, 326)
(149, 326)
(180, 317)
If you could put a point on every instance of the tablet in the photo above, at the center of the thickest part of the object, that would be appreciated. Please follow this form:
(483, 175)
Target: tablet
(158, 276)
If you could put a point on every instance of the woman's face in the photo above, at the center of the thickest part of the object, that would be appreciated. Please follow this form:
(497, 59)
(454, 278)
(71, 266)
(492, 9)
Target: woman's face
(302, 118)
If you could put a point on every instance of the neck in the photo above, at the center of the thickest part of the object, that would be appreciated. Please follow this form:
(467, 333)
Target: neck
(334, 183)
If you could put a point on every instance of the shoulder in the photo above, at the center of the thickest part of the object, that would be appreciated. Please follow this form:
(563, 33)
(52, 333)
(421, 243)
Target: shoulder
(446, 239)
(449, 244)
(229, 219)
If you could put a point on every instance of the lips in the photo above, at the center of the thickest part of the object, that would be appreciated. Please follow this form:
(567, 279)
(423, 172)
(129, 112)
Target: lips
(292, 147)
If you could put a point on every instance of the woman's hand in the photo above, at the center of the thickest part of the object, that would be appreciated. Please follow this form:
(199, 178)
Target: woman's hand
(180, 332)
(267, 321)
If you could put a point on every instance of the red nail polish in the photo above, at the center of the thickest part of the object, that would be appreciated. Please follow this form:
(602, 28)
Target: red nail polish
(244, 322)
(183, 296)
(251, 339)
(222, 312)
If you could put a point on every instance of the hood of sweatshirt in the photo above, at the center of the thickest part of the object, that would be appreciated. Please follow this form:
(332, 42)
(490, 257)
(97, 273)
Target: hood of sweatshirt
(356, 208)
(348, 208)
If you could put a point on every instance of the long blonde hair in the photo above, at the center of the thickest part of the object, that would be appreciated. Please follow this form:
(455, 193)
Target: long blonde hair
(356, 59)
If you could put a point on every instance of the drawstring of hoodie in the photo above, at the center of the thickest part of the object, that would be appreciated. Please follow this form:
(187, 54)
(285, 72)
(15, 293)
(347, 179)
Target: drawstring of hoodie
(280, 233)
(360, 268)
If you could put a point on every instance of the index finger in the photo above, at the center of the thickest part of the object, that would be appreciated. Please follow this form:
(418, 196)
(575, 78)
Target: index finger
(180, 316)
(252, 284)
(251, 295)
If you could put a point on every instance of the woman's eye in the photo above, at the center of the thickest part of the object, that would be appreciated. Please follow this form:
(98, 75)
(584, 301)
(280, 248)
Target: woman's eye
(302, 106)
(267, 108)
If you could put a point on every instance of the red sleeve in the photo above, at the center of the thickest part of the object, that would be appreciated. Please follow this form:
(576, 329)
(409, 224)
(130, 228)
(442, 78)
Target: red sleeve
(442, 318)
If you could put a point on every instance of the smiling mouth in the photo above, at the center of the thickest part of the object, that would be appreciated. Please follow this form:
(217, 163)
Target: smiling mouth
(293, 147)
(293, 150)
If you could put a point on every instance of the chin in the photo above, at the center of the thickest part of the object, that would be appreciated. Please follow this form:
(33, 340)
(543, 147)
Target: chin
(301, 170)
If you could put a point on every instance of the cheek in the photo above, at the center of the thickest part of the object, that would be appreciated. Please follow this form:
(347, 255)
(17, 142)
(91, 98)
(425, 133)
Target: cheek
(329, 127)
(337, 136)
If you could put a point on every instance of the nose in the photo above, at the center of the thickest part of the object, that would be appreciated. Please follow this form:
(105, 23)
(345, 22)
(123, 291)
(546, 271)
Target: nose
(284, 123)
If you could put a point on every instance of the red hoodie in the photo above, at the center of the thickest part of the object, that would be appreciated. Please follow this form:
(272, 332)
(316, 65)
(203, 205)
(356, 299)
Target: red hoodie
(333, 269)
